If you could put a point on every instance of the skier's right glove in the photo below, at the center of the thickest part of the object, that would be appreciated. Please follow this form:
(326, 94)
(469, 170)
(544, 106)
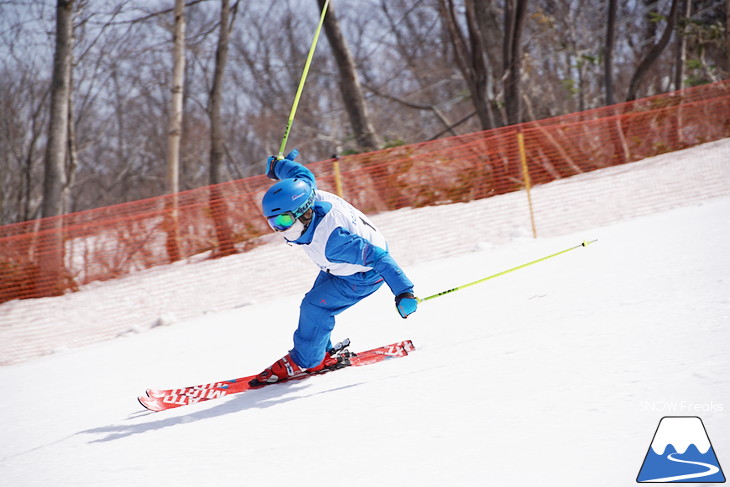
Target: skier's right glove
(272, 161)
(406, 304)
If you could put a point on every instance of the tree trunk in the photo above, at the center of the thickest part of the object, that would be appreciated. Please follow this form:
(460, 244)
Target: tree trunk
(608, 52)
(51, 263)
(219, 208)
(175, 129)
(175, 122)
(727, 36)
(617, 136)
(55, 161)
(514, 15)
(217, 152)
(72, 158)
(680, 55)
(350, 89)
(470, 56)
(653, 54)
(479, 64)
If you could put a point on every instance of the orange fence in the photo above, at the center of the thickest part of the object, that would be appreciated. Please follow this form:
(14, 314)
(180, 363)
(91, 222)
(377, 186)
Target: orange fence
(54, 256)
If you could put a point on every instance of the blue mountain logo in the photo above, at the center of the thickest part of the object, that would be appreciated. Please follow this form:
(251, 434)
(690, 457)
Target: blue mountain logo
(681, 452)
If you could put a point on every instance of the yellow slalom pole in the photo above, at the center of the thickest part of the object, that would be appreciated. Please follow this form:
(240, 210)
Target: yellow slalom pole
(338, 176)
(301, 81)
(526, 177)
(582, 244)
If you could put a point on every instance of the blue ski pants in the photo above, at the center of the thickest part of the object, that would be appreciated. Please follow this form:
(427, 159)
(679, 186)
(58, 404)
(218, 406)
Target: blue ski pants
(330, 295)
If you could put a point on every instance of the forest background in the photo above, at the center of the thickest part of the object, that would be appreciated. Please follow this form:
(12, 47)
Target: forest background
(108, 101)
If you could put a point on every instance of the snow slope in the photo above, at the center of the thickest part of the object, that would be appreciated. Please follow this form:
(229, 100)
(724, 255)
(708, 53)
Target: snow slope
(556, 374)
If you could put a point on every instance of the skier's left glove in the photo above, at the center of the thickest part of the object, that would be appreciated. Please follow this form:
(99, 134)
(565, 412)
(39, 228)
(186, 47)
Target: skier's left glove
(272, 161)
(406, 304)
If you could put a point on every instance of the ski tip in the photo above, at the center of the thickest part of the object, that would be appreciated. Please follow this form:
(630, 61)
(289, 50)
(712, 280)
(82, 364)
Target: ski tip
(155, 393)
(150, 403)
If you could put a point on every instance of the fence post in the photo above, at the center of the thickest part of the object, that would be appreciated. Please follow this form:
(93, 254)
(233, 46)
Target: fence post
(338, 175)
(526, 178)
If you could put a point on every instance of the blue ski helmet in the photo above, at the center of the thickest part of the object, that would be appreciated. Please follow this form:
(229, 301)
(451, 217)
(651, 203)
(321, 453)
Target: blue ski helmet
(286, 201)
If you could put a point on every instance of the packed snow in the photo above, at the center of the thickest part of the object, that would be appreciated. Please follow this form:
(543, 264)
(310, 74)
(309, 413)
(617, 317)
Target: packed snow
(555, 374)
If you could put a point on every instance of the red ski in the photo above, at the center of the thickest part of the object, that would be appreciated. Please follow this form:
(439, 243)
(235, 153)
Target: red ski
(162, 399)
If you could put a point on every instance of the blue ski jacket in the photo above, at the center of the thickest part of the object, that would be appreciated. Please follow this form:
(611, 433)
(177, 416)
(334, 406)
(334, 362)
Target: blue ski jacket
(342, 241)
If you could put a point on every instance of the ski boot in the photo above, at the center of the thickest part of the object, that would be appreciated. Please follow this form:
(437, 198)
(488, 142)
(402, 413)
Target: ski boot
(286, 369)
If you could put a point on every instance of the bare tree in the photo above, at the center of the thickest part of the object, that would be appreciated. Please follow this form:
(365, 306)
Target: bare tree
(175, 127)
(55, 163)
(608, 52)
(438, 64)
(514, 20)
(217, 147)
(470, 53)
(215, 100)
(22, 124)
(352, 95)
(680, 53)
(55, 178)
(419, 72)
(72, 157)
(176, 107)
(653, 54)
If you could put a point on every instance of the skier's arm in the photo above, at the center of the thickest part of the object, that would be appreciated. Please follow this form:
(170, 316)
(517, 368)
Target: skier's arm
(288, 168)
(343, 246)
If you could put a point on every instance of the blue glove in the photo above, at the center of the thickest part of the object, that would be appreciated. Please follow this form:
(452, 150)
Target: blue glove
(406, 304)
(273, 160)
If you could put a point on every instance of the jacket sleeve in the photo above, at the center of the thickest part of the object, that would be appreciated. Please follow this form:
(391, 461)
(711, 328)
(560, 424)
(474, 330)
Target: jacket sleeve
(286, 168)
(343, 246)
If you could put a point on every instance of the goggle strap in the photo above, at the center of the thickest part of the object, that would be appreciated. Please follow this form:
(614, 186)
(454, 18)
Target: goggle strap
(304, 207)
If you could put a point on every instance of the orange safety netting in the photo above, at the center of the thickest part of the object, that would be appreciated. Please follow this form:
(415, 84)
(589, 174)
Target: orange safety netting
(53, 256)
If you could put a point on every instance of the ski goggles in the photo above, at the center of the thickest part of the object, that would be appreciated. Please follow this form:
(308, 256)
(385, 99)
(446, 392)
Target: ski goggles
(282, 222)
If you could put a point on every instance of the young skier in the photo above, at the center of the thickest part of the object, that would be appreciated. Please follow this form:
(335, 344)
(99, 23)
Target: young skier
(351, 253)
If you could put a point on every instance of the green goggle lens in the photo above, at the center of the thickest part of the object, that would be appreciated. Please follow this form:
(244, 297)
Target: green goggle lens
(282, 222)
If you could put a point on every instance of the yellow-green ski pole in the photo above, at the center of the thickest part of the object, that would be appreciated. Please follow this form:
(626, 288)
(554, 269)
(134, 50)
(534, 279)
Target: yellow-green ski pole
(582, 244)
(301, 81)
